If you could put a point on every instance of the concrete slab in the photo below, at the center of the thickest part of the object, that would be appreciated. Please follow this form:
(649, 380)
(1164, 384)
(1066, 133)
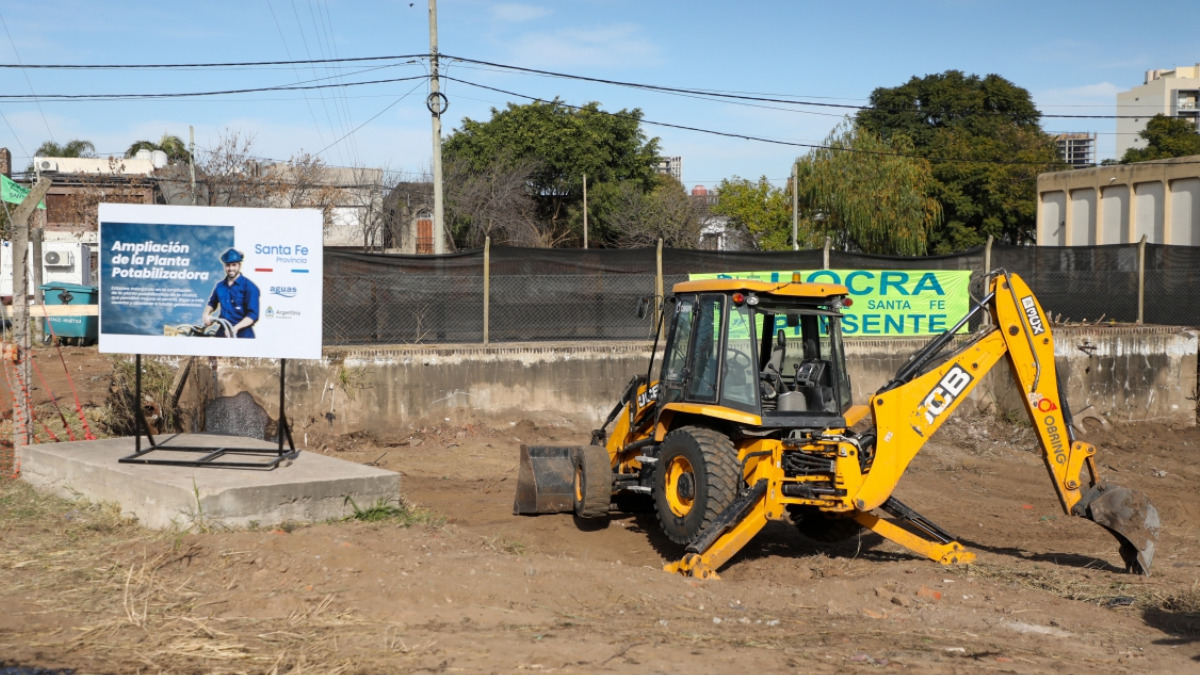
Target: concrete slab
(312, 488)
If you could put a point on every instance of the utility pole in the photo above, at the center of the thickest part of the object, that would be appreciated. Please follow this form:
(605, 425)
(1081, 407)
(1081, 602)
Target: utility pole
(36, 236)
(585, 210)
(22, 429)
(192, 159)
(437, 105)
(795, 209)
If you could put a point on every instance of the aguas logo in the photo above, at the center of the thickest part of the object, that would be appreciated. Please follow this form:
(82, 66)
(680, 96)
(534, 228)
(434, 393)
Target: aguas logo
(284, 291)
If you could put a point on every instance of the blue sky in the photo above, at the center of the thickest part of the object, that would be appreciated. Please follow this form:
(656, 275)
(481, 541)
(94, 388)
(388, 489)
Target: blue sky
(1072, 56)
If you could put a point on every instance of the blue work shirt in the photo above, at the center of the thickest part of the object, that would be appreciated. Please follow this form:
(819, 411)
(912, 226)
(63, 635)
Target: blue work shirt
(236, 302)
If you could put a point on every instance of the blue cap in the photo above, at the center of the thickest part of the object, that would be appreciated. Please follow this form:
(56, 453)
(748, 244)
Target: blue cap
(232, 256)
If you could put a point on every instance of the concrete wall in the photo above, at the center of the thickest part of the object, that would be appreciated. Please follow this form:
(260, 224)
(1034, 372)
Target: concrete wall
(1124, 373)
(1118, 204)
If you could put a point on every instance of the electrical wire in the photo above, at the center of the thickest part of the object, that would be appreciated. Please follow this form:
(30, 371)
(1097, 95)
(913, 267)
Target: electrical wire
(548, 73)
(224, 92)
(225, 64)
(748, 137)
(26, 74)
(288, 51)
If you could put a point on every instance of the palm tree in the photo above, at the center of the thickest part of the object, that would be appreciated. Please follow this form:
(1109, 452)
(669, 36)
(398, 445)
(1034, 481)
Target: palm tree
(75, 148)
(172, 145)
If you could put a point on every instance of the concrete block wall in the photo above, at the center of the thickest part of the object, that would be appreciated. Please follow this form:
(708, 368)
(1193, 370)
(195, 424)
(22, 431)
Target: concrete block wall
(1125, 373)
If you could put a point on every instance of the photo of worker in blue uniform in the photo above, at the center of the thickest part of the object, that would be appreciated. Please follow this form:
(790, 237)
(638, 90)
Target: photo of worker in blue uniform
(234, 299)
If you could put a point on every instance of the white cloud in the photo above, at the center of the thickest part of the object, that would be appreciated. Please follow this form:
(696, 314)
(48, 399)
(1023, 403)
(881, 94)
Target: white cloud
(600, 46)
(514, 13)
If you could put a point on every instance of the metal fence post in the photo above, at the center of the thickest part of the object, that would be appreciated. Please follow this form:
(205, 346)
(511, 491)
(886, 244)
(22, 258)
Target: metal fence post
(487, 285)
(658, 286)
(1141, 279)
(828, 243)
(987, 267)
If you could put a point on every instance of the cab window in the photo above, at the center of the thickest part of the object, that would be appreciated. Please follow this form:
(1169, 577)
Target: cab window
(704, 365)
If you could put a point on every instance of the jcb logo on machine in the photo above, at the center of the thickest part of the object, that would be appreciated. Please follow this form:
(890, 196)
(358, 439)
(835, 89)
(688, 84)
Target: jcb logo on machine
(1035, 320)
(953, 383)
(647, 397)
(644, 399)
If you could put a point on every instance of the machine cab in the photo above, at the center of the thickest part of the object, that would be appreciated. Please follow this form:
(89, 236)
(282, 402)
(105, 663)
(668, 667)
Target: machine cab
(770, 349)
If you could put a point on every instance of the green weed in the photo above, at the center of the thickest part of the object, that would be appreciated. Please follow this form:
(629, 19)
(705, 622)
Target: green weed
(397, 511)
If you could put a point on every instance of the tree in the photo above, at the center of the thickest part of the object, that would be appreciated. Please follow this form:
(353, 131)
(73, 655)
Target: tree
(494, 202)
(868, 194)
(74, 148)
(562, 143)
(172, 145)
(760, 210)
(983, 138)
(1166, 137)
(625, 215)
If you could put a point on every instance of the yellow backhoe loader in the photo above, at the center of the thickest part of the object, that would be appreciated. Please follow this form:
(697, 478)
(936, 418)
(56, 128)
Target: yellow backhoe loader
(751, 420)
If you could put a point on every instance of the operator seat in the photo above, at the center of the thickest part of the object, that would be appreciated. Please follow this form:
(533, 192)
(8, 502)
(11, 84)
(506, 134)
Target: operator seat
(772, 374)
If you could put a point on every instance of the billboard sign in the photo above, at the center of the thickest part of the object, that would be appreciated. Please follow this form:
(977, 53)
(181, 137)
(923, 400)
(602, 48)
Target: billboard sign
(887, 303)
(210, 281)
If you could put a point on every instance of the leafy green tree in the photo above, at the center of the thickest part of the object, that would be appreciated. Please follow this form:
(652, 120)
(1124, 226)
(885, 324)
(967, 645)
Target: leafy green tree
(762, 211)
(1166, 137)
(868, 194)
(74, 148)
(172, 145)
(563, 143)
(983, 138)
(624, 215)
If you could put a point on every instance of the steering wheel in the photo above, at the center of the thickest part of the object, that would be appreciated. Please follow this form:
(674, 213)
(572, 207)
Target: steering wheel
(735, 361)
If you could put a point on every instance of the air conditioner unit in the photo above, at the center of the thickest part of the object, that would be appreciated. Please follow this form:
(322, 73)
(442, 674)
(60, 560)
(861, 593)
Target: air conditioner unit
(47, 165)
(58, 258)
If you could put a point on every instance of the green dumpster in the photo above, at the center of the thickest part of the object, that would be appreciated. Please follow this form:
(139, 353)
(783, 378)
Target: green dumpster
(76, 329)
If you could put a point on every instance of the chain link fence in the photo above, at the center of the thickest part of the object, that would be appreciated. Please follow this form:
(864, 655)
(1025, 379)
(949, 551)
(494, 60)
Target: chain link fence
(521, 295)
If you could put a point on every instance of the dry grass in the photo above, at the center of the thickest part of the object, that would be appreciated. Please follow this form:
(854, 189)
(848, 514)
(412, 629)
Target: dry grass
(127, 599)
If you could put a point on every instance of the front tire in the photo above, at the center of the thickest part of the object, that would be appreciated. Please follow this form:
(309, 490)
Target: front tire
(593, 481)
(696, 478)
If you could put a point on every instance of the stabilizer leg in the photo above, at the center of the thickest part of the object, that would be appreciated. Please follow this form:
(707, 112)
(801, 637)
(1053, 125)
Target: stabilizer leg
(731, 530)
(940, 546)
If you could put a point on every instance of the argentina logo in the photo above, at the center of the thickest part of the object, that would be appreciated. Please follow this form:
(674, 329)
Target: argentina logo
(284, 291)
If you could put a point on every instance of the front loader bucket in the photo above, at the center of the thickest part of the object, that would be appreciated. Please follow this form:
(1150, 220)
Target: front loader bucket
(545, 480)
(1132, 519)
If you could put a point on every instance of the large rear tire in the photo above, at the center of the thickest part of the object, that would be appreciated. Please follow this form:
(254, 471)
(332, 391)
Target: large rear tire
(696, 477)
(593, 481)
(823, 527)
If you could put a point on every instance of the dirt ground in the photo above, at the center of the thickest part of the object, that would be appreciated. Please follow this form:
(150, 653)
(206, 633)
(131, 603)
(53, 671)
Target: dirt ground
(453, 582)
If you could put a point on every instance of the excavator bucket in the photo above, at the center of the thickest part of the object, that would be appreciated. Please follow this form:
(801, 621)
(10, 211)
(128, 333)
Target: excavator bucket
(545, 480)
(1133, 520)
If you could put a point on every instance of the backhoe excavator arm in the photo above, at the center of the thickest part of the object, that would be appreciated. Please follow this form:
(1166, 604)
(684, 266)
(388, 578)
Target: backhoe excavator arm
(910, 408)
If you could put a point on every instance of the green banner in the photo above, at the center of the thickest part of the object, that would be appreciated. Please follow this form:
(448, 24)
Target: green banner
(13, 193)
(886, 302)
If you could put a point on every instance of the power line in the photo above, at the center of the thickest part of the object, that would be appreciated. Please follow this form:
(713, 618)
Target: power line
(126, 97)
(26, 74)
(372, 119)
(225, 64)
(747, 97)
(288, 51)
(760, 139)
(547, 73)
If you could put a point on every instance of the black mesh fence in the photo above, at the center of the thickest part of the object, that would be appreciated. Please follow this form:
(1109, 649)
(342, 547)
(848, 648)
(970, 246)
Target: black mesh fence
(564, 294)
